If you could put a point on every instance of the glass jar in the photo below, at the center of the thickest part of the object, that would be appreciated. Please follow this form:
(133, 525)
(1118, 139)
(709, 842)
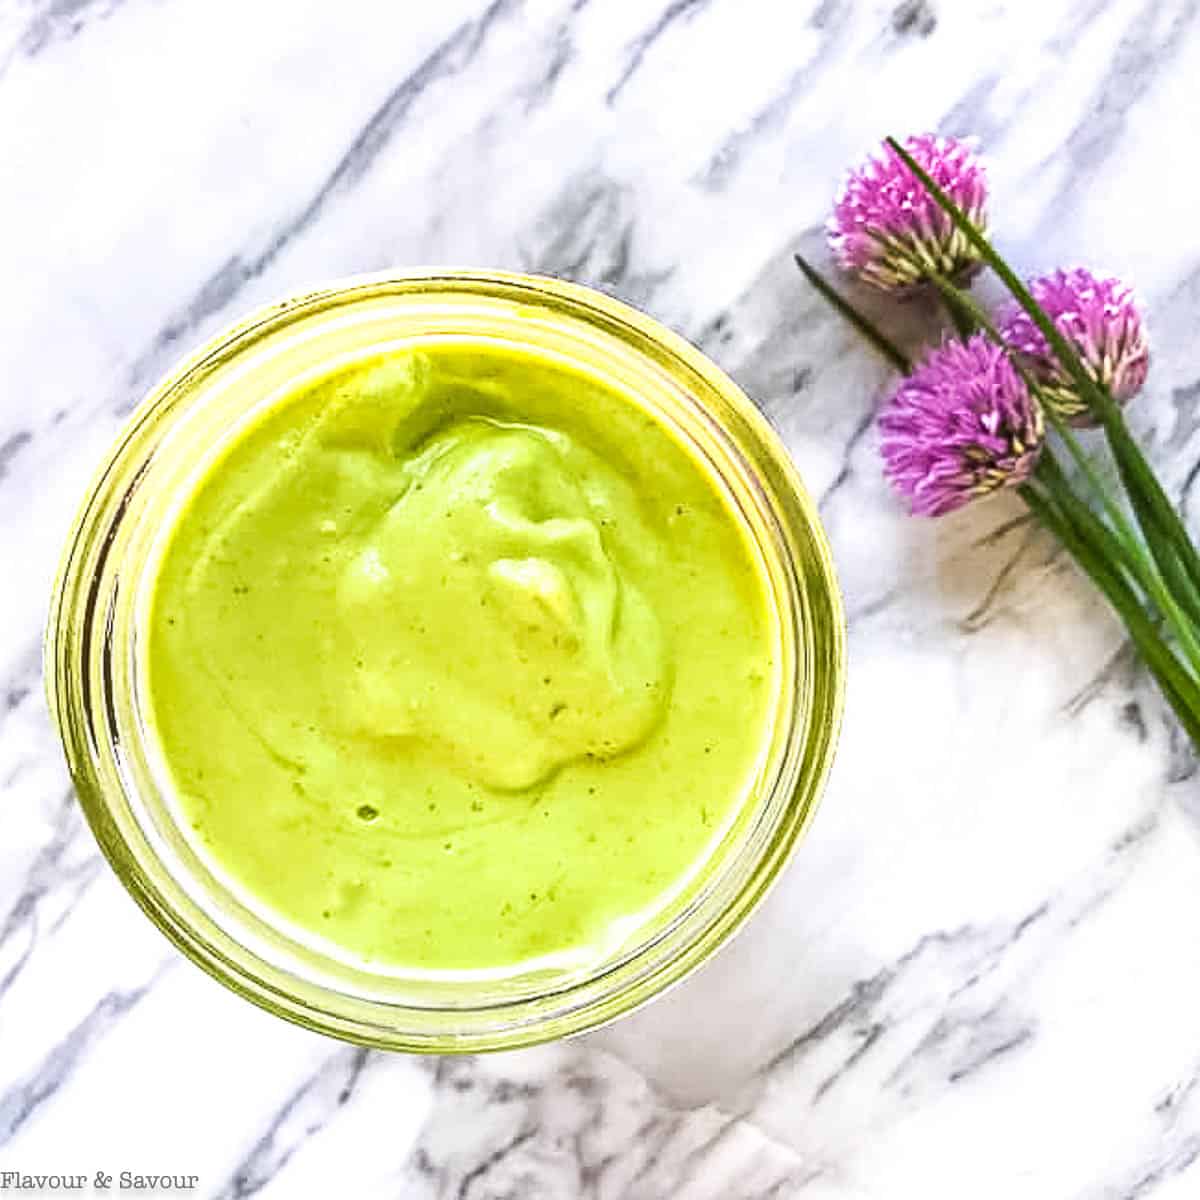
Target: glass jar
(96, 637)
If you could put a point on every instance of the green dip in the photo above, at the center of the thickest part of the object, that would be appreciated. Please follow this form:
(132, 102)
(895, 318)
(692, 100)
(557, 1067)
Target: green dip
(459, 659)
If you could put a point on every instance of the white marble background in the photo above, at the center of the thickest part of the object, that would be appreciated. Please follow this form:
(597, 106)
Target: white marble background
(981, 976)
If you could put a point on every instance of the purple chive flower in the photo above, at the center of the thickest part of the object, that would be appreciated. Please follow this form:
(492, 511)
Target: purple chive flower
(1100, 320)
(887, 229)
(960, 426)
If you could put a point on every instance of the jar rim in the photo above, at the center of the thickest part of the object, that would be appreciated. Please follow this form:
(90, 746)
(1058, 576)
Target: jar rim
(84, 700)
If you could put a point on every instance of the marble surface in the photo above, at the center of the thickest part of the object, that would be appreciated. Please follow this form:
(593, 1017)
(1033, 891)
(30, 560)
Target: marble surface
(981, 975)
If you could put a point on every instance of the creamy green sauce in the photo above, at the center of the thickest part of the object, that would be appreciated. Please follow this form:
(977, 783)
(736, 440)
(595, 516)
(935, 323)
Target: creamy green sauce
(459, 659)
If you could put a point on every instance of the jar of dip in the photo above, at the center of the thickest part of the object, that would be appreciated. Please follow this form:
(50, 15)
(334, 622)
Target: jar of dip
(447, 661)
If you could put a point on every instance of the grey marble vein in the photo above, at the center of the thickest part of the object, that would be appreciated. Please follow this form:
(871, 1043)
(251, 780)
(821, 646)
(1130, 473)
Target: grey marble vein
(1172, 1152)
(971, 953)
(1077, 20)
(21, 1101)
(941, 1014)
(589, 1128)
(302, 1117)
(833, 20)
(11, 446)
(917, 17)
(1120, 668)
(540, 91)
(57, 880)
(22, 678)
(445, 62)
(51, 21)
(1030, 540)
(588, 233)
(676, 11)
(865, 425)
(1152, 38)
